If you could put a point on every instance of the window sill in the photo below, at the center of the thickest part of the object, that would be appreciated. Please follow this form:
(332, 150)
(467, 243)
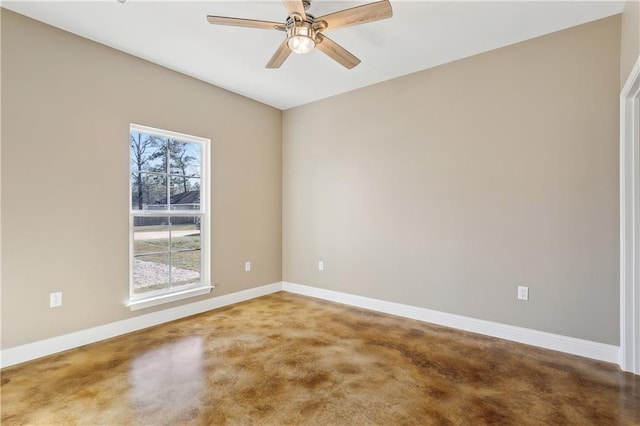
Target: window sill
(134, 305)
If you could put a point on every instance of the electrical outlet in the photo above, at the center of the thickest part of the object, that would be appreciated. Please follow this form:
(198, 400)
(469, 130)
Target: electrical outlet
(523, 293)
(320, 265)
(55, 299)
(247, 266)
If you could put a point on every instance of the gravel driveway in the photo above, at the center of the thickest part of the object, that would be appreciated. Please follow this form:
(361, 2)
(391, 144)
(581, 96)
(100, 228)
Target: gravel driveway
(147, 274)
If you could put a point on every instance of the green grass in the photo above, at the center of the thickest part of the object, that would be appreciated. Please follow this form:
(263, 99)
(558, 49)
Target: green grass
(154, 228)
(185, 260)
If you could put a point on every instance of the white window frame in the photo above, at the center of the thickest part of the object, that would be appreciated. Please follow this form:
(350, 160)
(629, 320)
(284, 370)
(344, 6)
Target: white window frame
(154, 298)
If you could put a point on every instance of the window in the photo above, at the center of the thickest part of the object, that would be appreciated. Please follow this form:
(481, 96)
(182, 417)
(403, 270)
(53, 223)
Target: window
(169, 217)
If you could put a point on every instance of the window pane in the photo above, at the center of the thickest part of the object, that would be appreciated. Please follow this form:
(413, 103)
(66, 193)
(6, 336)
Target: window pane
(185, 233)
(150, 273)
(185, 268)
(148, 191)
(166, 174)
(150, 234)
(184, 158)
(148, 153)
(185, 193)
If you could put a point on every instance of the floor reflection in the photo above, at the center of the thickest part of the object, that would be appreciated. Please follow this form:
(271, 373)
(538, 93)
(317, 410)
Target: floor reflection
(168, 377)
(285, 359)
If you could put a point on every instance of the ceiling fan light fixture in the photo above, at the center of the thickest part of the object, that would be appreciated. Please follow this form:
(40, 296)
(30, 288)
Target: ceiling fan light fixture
(301, 39)
(305, 32)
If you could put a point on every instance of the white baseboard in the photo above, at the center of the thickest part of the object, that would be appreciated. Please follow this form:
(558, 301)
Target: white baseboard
(18, 354)
(571, 345)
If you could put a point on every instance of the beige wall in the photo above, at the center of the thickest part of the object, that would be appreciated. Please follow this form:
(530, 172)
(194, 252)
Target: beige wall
(448, 188)
(630, 41)
(444, 189)
(66, 107)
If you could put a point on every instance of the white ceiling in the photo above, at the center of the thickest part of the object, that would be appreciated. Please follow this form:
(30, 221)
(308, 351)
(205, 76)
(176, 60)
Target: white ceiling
(421, 34)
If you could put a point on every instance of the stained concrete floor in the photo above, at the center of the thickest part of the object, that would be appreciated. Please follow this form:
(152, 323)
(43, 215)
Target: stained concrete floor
(288, 359)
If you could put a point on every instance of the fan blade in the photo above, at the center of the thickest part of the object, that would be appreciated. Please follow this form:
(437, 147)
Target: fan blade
(295, 7)
(250, 23)
(336, 52)
(280, 56)
(357, 15)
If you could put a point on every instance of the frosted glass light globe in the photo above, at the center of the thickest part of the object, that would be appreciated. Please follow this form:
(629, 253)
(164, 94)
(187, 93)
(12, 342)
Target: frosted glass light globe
(301, 39)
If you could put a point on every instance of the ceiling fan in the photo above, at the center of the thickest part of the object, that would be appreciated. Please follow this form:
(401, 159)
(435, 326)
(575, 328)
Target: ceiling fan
(305, 31)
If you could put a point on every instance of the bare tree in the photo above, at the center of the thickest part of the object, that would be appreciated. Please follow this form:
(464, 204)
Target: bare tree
(143, 151)
(180, 160)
